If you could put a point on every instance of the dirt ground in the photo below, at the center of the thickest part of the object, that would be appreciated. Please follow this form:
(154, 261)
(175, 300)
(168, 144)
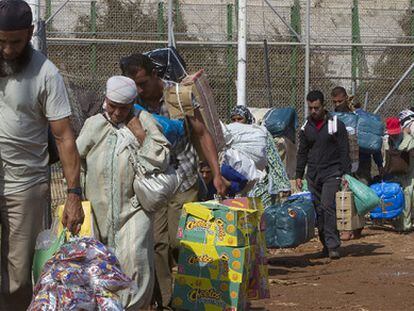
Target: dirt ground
(375, 272)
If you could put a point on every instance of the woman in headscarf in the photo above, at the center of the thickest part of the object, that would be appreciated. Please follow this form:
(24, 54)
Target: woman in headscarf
(108, 144)
(276, 180)
(241, 114)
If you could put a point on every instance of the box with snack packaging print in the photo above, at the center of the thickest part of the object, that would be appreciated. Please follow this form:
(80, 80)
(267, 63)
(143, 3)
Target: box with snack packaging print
(216, 224)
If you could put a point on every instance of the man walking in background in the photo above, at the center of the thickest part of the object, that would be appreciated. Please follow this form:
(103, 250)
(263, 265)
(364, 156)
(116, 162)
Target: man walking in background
(323, 148)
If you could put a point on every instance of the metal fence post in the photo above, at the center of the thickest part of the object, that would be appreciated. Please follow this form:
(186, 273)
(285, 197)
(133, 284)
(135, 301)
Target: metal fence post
(48, 13)
(160, 21)
(307, 58)
(356, 50)
(295, 23)
(93, 46)
(230, 59)
(178, 19)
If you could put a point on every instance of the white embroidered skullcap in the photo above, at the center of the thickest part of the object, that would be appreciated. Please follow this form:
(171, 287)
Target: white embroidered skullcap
(121, 90)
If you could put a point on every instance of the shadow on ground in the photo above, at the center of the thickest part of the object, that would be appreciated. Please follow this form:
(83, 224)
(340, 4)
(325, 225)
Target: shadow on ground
(316, 259)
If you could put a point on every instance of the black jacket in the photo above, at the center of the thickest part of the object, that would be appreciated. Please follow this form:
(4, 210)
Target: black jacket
(325, 155)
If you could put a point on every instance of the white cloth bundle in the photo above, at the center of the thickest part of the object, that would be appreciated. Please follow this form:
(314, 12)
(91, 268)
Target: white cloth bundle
(248, 139)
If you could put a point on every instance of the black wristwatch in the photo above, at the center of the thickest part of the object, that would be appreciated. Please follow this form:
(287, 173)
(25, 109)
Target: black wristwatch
(76, 190)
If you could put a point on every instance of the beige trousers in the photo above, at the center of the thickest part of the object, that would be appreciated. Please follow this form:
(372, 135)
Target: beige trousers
(166, 245)
(21, 217)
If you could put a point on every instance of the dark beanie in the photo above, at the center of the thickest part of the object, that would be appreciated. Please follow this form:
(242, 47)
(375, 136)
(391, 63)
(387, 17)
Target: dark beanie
(15, 15)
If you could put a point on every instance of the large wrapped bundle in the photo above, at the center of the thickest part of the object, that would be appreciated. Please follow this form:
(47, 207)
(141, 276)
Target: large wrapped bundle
(168, 63)
(248, 139)
(282, 122)
(179, 100)
(350, 120)
(82, 275)
(392, 200)
(208, 109)
(370, 131)
(258, 114)
(290, 224)
(173, 130)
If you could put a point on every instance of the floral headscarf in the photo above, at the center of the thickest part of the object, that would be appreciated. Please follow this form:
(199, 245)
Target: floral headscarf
(244, 112)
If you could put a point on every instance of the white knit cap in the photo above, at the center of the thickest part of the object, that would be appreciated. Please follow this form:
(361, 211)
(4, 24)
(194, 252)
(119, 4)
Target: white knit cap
(121, 90)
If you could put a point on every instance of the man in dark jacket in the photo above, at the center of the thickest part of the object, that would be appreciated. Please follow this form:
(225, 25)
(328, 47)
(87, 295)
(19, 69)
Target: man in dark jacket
(324, 149)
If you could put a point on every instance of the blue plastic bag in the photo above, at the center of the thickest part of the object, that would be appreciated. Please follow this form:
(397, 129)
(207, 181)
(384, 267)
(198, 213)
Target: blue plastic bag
(281, 122)
(370, 131)
(289, 224)
(173, 130)
(393, 201)
(348, 118)
(237, 180)
(306, 194)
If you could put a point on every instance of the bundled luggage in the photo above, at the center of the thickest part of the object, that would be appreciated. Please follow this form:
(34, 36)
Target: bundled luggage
(248, 139)
(365, 198)
(290, 224)
(82, 275)
(168, 63)
(281, 122)
(173, 130)
(179, 99)
(393, 202)
(350, 119)
(351, 122)
(370, 131)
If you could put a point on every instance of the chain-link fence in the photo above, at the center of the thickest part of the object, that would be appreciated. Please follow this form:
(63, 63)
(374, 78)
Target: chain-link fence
(364, 46)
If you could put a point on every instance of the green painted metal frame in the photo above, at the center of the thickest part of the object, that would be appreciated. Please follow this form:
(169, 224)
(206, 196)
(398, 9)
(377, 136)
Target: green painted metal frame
(93, 18)
(230, 59)
(356, 52)
(294, 55)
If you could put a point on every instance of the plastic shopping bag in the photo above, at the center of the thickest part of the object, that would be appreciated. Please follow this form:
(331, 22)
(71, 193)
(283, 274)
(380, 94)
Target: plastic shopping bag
(47, 244)
(365, 198)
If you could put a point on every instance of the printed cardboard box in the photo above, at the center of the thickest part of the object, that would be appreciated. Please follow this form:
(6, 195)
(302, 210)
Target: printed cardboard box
(249, 203)
(199, 294)
(216, 224)
(258, 287)
(221, 263)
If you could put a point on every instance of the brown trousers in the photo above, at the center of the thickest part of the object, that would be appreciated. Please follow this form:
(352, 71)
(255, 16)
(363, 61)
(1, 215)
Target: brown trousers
(21, 217)
(166, 245)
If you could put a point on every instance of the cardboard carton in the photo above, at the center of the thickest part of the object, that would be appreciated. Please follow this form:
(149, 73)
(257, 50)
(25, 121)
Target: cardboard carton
(249, 203)
(199, 294)
(216, 224)
(221, 263)
(346, 214)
